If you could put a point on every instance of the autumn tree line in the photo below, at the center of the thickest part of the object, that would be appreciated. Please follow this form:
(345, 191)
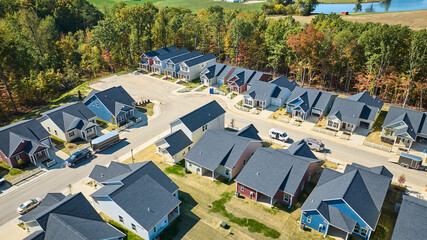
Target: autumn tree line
(48, 47)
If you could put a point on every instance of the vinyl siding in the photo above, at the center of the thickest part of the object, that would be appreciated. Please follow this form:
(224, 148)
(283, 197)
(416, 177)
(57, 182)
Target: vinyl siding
(101, 112)
(316, 221)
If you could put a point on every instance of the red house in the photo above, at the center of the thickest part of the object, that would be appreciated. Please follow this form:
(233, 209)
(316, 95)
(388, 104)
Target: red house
(277, 174)
(26, 140)
(243, 78)
(147, 58)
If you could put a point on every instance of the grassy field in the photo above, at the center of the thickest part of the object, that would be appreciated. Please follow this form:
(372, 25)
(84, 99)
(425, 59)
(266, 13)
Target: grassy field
(66, 146)
(148, 109)
(129, 234)
(375, 136)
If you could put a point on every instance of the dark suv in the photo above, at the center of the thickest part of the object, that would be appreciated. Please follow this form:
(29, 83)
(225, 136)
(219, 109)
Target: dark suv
(77, 157)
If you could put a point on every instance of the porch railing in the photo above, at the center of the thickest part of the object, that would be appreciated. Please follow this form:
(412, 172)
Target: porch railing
(321, 130)
(126, 126)
(285, 120)
(219, 92)
(25, 176)
(377, 146)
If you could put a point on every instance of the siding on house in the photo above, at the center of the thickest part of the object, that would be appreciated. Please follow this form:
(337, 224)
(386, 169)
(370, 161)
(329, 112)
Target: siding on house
(100, 110)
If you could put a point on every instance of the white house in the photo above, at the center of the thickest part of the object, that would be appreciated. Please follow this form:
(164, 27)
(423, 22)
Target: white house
(188, 129)
(190, 70)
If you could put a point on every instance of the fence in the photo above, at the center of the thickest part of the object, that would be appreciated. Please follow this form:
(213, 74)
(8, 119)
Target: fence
(327, 158)
(25, 176)
(219, 92)
(127, 125)
(241, 107)
(184, 90)
(138, 120)
(285, 120)
(87, 145)
(328, 132)
(377, 146)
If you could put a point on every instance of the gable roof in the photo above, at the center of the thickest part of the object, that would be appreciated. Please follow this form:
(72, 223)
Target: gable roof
(311, 98)
(270, 170)
(177, 141)
(262, 91)
(201, 116)
(282, 81)
(381, 170)
(114, 99)
(184, 57)
(347, 111)
(217, 148)
(213, 69)
(415, 120)
(364, 191)
(71, 116)
(300, 148)
(26, 130)
(250, 132)
(411, 219)
(150, 186)
(200, 59)
(100, 173)
(73, 218)
(49, 200)
(173, 54)
(159, 51)
(366, 98)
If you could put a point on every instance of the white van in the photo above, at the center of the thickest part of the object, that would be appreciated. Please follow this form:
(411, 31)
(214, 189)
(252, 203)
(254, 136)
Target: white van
(278, 134)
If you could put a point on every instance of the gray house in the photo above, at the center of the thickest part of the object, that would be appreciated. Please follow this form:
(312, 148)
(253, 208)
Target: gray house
(188, 129)
(71, 217)
(159, 61)
(172, 64)
(360, 110)
(70, 121)
(404, 126)
(216, 74)
(277, 174)
(348, 203)
(305, 102)
(190, 69)
(411, 220)
(139, 196)
(223, 153)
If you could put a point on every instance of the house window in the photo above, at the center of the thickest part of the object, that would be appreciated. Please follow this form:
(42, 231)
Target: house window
(121, 219)
(93, 103)
(302, 186)
(39, 154)
(71, 134)
(364, 232)
(204, 128)
(48, 129)
(286, 198)
(309, 177)
(133, 227)
(308, 219)
(188, 148)
(356, 229)
(89, 130)
(190, 165)
(155, 229)
(227, 173)
(17, 158)
(242, 188)
(244, 161)
(97, 104)
(56, 133)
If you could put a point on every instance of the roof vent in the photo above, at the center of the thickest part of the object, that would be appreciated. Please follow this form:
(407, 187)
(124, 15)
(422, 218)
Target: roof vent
(257, 173)
(148, 209)
(102, 175)
(200, 153)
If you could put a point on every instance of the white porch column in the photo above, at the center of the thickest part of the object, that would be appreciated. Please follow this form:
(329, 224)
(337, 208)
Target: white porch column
(271, 201)
(410, 145)
(47, 153)
(213, 175)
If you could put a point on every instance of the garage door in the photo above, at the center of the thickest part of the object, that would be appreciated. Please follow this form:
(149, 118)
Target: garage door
(275, 102)
(364, 125)
(316, 112)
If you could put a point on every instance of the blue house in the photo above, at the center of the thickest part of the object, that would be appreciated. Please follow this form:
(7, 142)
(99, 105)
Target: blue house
(159, 62)
(113, 105)
(305, 102)
(348, 203)
(172, 64)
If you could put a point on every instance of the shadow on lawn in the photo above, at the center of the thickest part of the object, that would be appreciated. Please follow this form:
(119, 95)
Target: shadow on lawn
(185, 221)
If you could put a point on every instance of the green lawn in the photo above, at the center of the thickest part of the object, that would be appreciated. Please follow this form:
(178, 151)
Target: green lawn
(148, 109)
(223, 88)
(106, 125)
(65, 146)
(129, 234)
(375, 136)
(193, 84)
(11, 173)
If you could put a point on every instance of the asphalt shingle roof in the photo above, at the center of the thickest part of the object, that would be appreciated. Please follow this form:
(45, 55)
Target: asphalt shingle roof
(282, 81)
(367, 99)
(184, 57)
(12, 135)
(262, 91)
(200, 59)
(114, 99)
(49, 200)
(415, 119)
(73, 218)
(150, 186)
(160, 51)
(336, 217)
(173, 54)
(364, 191)
(312, 98)
(270, 170)
(250, 132)
(177, 141)
(71, 116)
(214, 69)
(411, 220)
(101, 173)
(201, 116)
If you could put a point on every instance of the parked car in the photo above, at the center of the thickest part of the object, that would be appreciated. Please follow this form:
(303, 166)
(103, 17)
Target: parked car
(278, 134)
(315, 144)
(77, 157)
(28, 205)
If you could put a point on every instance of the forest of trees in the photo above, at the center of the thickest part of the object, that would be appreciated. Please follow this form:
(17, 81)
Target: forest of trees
(48, 47)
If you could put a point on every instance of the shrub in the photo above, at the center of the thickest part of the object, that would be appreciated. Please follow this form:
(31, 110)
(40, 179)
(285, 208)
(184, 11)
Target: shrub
(15, 171)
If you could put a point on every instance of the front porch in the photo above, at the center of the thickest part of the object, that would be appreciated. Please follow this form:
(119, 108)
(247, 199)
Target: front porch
(173, 215)
(39, 157)
(340, 126)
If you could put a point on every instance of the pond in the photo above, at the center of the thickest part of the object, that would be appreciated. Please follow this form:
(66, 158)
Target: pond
(385, 6)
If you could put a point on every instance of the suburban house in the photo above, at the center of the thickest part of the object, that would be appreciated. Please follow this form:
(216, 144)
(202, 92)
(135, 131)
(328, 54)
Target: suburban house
(67, 217)
(348, 203)
(70, 121)
(215, 73)
(147, 58)
(172, 64)
(360, 110)
(305, 102)
(188, 129)
(159, 62)
(139, 196)
(26, 140)
(112, 105)
(242, 79)
(263, 94)
(190, 69)
(411, 219)
(277, 174)
(404, 126)
(223, 153)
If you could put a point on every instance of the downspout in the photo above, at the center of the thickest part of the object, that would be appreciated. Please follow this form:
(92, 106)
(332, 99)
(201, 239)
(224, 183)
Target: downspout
(326, 231)
(290, 204)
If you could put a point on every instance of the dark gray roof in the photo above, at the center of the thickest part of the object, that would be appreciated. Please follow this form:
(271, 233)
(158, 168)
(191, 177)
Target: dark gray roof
(12, 135)
(282, 81)
(49, 200)
(250, 132)
(217, 148)
(262, 91)
(200, 59)
(101, 173)
(114, 99)
(336, 217)
(270, 170)
(411, 220)
(150, 186)
(213, 69)
(37, 235)
(177, 141)
(415, 119)
(173, 54)
(347, 111)
(201, 116)
(160, 51)
(364, 191)
(311, 98)
(367, 99)
(300, 148)
(381, 170)
(184, 57)
(71, 116)
(73, 218)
